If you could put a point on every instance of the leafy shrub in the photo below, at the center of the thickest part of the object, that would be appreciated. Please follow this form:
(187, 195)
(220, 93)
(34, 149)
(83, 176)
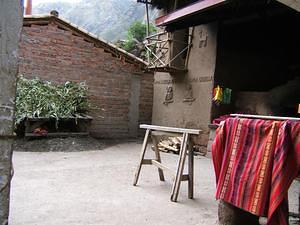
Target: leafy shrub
(37, 98)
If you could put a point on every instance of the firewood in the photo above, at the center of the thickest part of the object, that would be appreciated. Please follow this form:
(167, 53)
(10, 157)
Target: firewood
(168, 147)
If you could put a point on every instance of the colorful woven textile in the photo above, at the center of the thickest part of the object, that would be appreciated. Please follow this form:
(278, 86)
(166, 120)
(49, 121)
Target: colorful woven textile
(255, 163)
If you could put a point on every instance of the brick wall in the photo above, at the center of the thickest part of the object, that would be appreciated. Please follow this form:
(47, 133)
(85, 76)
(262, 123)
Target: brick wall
(146, 100)
(59, 55)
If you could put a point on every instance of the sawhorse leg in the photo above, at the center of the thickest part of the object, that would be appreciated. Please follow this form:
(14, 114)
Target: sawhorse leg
(180, 166)
(191, 170)
(144, 147)
(158, 159)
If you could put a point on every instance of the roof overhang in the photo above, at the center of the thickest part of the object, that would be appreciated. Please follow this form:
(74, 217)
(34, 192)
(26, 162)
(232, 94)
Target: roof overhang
(189, 10)
(205, 11)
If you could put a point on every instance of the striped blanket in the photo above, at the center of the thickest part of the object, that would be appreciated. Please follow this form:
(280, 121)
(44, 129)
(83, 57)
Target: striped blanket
(255, 163)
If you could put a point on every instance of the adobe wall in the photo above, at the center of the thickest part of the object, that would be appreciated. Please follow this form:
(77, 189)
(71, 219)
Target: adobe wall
(58, 55)
(10, 26)
(186, 109)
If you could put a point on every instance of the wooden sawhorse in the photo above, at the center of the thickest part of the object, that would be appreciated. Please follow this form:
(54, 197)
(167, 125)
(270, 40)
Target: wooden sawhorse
(186, 147)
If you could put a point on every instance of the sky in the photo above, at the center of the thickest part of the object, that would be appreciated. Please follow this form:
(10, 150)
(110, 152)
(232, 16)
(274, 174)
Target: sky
(36, 2)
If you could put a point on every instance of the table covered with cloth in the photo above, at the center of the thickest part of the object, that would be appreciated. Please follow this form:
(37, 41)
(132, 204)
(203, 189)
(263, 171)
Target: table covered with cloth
(255, 163)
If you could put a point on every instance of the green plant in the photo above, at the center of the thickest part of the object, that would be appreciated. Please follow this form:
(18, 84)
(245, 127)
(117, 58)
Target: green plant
(37, 98)
(136, 34)
(137, 30)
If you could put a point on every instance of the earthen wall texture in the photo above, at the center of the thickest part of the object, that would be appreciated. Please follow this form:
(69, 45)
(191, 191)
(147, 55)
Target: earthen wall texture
(10, 27)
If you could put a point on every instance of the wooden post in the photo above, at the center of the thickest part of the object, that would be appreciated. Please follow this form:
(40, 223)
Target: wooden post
(180, 166)
(148, 29)
(144, 147)
(28, 10)
(191, 170)
(157, 157)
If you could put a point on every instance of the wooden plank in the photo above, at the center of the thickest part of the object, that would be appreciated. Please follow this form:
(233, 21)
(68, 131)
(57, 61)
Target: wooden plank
(147, 162)
(165, 134)
(143, 151)
(180, 166)
(168, 147)
(170, 129)
(161, 166)
(264, 117)
(167, 69)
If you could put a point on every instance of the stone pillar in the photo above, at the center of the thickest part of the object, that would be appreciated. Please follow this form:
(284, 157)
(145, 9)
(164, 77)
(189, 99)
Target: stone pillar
(230, 215)
(10, 27)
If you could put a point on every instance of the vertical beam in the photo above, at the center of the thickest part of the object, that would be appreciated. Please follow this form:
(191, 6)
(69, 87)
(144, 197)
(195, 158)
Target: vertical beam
(191, 170)
(143, 151)
(28, 10)
(147, 29)
(148, 20)
(10, 27)
(175, 5)
(180, 167)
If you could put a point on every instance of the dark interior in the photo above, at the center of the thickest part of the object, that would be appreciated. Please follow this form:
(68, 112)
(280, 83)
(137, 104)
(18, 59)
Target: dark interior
(260, 54)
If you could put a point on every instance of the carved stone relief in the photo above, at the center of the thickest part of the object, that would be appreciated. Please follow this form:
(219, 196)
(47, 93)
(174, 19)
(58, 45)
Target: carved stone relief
(203, 36)
(188, 97)
(169, 95)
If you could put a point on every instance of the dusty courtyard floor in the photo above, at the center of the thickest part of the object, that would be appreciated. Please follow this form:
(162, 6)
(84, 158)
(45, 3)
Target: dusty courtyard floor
(95, 187)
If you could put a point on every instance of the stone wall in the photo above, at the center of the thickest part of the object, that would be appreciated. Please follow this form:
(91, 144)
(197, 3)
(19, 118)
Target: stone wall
(10, 26)
(58, 55)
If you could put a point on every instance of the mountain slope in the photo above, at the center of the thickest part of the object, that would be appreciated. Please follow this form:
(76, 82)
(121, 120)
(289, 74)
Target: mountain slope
(108, 19)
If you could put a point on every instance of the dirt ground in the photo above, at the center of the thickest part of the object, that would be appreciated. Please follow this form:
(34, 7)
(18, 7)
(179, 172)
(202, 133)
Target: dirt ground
(69, 144)
(90, 183)
(95, 187)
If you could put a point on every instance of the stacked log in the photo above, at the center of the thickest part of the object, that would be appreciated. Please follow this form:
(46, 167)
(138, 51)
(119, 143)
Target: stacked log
(171, 144)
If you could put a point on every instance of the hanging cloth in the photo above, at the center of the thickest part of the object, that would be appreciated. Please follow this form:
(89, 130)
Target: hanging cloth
(255, 162)
(226, 96)
(218, 94)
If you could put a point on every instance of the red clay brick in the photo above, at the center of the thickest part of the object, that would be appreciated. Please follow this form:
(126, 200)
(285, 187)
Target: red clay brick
(57, 55)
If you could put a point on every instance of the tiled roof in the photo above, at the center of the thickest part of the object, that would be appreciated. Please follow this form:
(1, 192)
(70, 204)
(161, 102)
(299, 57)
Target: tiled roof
(63, 23)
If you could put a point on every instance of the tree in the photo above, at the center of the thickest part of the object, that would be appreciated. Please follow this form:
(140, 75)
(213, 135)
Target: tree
(136, 34)
(138, 30)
